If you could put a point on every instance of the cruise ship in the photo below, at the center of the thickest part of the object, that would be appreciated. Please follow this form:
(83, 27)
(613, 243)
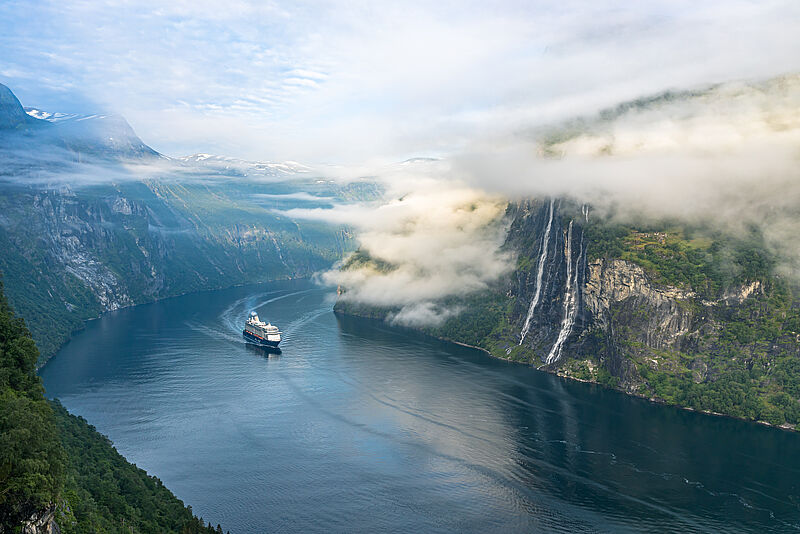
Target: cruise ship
(261, 333)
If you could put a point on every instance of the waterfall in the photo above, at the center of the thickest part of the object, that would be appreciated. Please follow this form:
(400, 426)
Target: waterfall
(585, 211)
(570, 298)
(538, 292)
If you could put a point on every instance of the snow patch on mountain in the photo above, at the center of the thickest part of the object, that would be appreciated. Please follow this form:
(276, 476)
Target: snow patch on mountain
(247, 168)
(49, 115)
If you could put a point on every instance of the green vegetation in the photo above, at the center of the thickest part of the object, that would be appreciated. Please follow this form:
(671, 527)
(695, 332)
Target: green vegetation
(360, 259)
(481, 321)
(750, 366)
(734, 353)
(35, 296)
(103, 492)
(744, 357)
(31, 457)
(689, 258)
(68, 257)
(53, 461)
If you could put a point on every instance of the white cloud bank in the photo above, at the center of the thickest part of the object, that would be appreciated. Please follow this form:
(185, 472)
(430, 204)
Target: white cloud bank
(333, 81)
(726, 156)
(439, 237)
(473, 82)
(673, 154)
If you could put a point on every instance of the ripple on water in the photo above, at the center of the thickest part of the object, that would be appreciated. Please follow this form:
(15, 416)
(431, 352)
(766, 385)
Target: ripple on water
(359, 427)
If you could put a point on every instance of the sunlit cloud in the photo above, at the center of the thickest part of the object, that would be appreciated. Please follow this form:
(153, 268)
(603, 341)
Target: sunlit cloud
(479, 86)
(349, 81)
(723, 158)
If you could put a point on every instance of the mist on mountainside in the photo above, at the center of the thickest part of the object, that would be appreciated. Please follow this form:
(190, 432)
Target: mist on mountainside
(92, 219)
(724, 158)
(52, 149)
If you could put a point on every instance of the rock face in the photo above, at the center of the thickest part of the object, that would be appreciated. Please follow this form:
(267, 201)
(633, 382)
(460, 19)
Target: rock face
(695, 322)
(619, 296)
(44, 524)
(573, 316)
(71, 137)
(564, 303)
(81, 233)
(619, 293)
(12, 114)
(70, 254)
(614, 280)
(737, 295)
(548, 238)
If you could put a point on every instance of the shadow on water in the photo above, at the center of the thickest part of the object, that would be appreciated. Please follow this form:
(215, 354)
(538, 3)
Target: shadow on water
(261, 350)
(613, 453)
(359, 425)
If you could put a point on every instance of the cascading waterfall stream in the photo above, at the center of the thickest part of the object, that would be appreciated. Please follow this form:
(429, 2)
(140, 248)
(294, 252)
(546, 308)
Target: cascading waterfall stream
(540, 272)
(570, 298)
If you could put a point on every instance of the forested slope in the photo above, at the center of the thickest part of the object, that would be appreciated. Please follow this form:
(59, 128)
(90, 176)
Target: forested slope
(55, 467)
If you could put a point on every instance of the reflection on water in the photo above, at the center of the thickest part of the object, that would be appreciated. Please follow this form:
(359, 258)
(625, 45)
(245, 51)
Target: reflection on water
(360, 427)
(262, 350)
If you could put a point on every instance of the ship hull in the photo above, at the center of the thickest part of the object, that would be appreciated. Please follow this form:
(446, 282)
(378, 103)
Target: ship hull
(252, 338)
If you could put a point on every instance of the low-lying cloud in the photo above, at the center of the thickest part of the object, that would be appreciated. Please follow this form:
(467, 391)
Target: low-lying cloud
(423, 314)
(432, 238)
(726, 157)
(688, 143)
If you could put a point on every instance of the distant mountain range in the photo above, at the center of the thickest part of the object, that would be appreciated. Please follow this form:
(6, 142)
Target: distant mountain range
(102, 136)
(92, 219)
(255, 169)
(77, 138)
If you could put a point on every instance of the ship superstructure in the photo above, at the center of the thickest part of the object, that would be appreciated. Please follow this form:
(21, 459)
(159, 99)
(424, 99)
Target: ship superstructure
(261, 333)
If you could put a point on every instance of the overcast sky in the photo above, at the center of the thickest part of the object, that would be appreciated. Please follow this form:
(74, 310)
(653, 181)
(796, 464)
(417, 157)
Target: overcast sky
(352, 82)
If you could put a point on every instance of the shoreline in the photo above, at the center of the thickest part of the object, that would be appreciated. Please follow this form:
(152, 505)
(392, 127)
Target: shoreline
(785, 427)
(84, 322)
(653, 400)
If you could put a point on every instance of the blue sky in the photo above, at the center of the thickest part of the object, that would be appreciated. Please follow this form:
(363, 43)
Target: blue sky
(360, 81)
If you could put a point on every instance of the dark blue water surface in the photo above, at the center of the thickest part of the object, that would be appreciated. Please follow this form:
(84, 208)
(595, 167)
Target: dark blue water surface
(358, 427)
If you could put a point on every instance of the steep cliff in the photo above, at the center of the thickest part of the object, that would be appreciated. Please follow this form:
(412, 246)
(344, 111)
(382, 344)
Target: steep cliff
(620, 298)
(44, 523)
(73, 252)
(675, 314)
(12, 115)
(92, 220)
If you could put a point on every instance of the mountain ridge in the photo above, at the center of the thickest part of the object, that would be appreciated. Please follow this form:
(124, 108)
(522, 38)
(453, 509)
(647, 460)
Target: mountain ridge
(12, 114)
(101, 136)
(84, 232)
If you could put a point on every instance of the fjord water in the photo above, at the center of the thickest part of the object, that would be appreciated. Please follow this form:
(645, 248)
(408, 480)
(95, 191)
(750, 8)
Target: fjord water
(359, 427)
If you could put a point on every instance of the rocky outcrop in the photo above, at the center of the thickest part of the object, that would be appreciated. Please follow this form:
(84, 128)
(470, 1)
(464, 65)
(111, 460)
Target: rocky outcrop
(607, 313)
(729, 345)
(43, 524)
(547, 236)
(633, 316)
(619, 293)
(737, 295)
(72, 253)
